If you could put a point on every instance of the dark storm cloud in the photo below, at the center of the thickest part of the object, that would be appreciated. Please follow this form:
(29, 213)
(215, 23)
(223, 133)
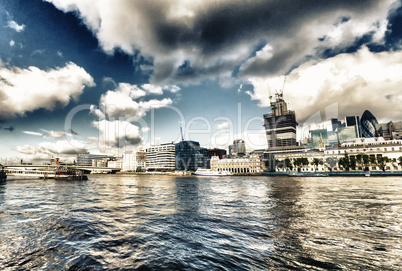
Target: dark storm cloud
(202, 39)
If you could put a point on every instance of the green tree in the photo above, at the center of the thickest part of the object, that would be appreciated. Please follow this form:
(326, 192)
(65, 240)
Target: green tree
(382, 161)
(345, 162)
(316, 162)
(352, 162)
(400, 160)
(288, 164)
(366, 159)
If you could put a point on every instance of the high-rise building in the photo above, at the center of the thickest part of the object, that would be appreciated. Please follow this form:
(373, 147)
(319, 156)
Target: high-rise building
(280, 124)
(190, 156)
(239, 147)
(368, 122)
(161, 157)
(217, 152)
(354, 121)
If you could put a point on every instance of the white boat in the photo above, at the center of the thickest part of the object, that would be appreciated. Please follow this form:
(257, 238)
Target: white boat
(210, 172)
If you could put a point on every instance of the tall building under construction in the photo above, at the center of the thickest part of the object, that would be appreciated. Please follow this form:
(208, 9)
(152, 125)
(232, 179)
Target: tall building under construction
(280, 124)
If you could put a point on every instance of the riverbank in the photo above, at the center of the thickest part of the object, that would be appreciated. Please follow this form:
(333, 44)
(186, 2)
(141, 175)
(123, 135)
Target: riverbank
(335, 173)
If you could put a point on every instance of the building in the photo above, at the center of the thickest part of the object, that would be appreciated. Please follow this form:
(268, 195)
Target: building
(239, 166)
(390, 130)
(129, 161)
(115, 163)
(368, 122)
(347, 133)
(190, 156)
(239, 147)
(87, 158)
(161, 157)
(354, 121)
(141, 158)
(280, 124)
(217, 152)
(364, 152)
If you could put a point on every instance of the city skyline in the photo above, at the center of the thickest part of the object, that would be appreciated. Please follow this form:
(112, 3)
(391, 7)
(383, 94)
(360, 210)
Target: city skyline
(130, 73)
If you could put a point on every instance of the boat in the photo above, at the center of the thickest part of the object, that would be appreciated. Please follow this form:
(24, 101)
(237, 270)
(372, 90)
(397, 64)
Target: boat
(69, 174)
(307, 174)
(210, 172)
(3, 175)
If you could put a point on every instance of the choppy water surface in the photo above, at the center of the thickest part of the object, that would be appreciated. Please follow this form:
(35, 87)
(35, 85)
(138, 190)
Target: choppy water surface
(185, 223)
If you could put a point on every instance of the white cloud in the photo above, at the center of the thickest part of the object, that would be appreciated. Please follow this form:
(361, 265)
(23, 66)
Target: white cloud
(121, 101)
(223, 125)
(116, 134)
(364, 80)
(15, 26)
(152, 89)
(25, 90)
(12, 43)
(46, 150)
(215, 39)
(51, 134)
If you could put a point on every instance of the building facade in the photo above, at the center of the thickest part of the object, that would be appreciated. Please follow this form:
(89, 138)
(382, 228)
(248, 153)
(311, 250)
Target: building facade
(368, 122)
(280, 124)
(364, 154)
(190, 156)
(239, 147)
(390, 130)
(87, 158)
(217, 152)
(161, 157)
(239, 166)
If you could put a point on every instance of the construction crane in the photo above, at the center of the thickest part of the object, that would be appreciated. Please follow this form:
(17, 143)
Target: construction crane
(181, 133)
(279, 94)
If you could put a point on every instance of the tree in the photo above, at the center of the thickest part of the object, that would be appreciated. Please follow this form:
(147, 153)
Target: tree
(300, 162)
(288, 164)
(366, 159)
(317, 162)
(382, 161)
(352, 162)
(400, 160)
(344, 162)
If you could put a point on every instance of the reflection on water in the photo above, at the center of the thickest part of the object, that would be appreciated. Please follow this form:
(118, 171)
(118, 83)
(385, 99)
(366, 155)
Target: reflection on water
(189, 223)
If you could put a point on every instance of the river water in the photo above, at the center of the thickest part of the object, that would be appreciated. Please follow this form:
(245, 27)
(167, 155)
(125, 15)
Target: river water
(205, 223)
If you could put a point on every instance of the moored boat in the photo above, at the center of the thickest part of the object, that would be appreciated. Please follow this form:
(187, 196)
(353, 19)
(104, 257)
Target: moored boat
(68, 174)
(209, 172)
(3, 175)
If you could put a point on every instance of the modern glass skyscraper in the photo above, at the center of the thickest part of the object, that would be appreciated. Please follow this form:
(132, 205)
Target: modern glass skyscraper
(190, 156)
(368, 122)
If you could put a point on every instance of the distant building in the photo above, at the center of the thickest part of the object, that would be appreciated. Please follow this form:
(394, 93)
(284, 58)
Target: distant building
(368, 122)
(390, 130)
(239, 147)
(190, 156)
(161, 157)
(217, 152)
(347, 133)
(280, 124)
(238, 166)
(354, 121)
(115, 163)
(87, 158)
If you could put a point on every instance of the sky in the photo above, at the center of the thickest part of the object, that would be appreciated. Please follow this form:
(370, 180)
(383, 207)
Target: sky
(108, 76)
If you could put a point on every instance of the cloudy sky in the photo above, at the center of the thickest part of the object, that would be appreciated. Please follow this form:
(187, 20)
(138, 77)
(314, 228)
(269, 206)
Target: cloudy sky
(105, 76)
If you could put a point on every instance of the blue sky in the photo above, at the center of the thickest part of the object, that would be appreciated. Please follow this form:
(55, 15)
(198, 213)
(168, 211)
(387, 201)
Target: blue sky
(108, 76)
